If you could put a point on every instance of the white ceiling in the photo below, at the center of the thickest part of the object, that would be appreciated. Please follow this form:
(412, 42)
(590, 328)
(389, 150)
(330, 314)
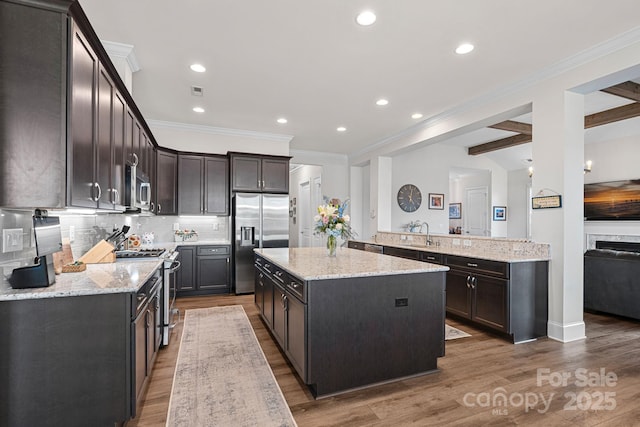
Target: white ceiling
(310, 62)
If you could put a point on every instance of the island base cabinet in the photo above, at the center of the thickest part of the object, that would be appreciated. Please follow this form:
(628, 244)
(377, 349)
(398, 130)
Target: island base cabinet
(490, 296)
(296, 333)
(279, 315)
(366, 330)
(458, 294)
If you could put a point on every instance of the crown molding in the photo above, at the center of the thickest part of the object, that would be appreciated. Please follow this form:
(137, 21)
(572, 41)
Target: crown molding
(221, 131)
(122, 50)
(590, 54)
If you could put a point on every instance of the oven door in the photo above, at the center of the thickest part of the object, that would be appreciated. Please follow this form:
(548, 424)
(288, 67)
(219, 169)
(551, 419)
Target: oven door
(169, 312)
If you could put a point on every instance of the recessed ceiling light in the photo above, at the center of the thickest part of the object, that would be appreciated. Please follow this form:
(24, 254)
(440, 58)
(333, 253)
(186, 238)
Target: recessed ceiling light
(341, 129)
(198, 68)
(416, 116)
(282, 120)
(382, 102)
(198, 109)
(464, 48)
(366, 18)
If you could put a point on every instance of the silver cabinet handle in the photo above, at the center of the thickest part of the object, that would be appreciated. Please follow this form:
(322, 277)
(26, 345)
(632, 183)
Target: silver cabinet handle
(151, 206)
(159, 207)
(96, 185)
(474, 282)
(116, 198)
(471, 264)
(468, 282)
(259, 184)
(135, 160)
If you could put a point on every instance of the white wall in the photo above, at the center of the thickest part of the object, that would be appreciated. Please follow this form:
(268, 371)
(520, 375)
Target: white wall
(518, 203)
(428, 168)
(296, 177)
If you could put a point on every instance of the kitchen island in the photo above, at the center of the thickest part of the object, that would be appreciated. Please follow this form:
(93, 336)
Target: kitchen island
(351, 321)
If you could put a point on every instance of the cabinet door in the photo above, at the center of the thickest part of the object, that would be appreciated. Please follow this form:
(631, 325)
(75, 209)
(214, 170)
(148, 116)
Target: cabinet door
(151, 337)
(186, 277)
(84, 69)
(279, 315)
(275, 175)
(490, 301)
(137, 156)
(296, 332)
(140, 350)
(247, 173)
(213, 273)
(458, 293)
(104, 140)
(190, 170)
(216, 186)
(119, 114)
(166, 183)
(129, 125)
(268, 301)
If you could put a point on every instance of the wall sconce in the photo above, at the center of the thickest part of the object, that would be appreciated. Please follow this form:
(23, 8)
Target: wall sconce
(587, 166)
(530, 171)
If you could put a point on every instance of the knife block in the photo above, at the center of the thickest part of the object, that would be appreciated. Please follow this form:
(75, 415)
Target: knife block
(102, 252)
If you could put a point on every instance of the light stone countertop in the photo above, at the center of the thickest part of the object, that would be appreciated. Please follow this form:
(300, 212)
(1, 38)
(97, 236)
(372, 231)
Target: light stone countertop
(123, 276)
(314, 264)
(463, 251)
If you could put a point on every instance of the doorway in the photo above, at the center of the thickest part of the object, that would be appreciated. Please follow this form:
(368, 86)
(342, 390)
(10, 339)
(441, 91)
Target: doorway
(476, 222)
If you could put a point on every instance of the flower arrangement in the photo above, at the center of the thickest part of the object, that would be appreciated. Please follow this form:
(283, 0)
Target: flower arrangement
(334, 222)
(414, 226)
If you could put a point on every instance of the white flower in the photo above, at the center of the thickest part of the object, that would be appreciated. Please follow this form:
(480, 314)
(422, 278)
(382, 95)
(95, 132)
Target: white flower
(347, 218)
(316, 218)
(338, 226)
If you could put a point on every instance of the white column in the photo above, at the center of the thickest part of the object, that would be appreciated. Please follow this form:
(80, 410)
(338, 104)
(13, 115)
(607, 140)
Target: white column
(380, 201)
(558, 157)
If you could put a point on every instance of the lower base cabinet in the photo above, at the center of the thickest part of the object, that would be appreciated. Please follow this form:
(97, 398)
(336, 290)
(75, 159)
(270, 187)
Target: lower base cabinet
(205, 269)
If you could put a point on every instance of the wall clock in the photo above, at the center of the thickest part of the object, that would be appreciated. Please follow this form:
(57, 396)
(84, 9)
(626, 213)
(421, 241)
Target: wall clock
(409, 198)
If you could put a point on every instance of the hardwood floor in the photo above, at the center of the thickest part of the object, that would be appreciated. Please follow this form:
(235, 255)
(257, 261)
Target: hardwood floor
(473, 376)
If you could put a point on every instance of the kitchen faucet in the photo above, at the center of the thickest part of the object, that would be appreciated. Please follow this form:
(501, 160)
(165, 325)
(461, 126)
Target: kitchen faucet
(428, 242)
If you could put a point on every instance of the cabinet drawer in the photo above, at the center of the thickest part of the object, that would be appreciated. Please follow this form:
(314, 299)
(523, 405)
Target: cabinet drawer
(401, 252)
(432, 257)
(355, 245)
(494, 268)
(213, 250)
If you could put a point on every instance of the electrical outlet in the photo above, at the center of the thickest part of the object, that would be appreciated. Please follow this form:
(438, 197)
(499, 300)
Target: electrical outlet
(12, 240)
(410, 238)
(403, 237)
(216, 226)
(456, 242)
(466, 243)
(176, 226)
(72, 233)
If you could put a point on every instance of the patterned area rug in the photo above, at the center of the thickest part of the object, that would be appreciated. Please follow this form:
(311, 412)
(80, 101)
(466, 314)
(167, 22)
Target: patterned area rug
(222, 377)
(451, 333)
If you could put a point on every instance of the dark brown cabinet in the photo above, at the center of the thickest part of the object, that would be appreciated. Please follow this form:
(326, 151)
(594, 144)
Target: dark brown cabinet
(166, 183)
(254, 173)
(205, 270)
(203, 185)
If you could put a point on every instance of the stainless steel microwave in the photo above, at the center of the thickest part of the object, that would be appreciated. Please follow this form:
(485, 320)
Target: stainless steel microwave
(137, 190)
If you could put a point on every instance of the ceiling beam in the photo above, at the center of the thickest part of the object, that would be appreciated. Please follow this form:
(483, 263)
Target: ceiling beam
(513, 126)
(629, 90)
(613, 115)
(628, 111)
(499, 144)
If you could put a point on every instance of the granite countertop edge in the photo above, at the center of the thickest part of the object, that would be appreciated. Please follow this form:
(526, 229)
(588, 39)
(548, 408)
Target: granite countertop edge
(112, 278)
(465, 253)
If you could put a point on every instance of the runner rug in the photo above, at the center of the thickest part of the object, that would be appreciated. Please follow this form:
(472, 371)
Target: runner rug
(222, 377)
(451, 333)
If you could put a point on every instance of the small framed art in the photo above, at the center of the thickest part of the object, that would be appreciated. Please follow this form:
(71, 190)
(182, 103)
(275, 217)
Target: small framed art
(436, 201)
(455, 210)
(499, 213)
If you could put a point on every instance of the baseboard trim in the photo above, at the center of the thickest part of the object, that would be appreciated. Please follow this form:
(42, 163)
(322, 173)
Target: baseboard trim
(566, 332)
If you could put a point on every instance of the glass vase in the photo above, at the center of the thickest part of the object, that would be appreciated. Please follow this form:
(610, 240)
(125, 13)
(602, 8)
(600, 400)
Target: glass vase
(332, 244)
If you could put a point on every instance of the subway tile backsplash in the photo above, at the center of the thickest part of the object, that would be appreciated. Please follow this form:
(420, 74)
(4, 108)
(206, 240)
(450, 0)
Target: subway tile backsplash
(90, 229)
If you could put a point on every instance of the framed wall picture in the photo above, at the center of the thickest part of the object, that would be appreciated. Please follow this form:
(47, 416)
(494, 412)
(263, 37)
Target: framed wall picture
(499, 213)
(455, 210)
(436, 201)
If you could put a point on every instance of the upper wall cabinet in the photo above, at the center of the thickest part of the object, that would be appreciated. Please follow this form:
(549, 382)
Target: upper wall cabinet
(253, 173)
(67, 123)
(203, 186)
(166, 183)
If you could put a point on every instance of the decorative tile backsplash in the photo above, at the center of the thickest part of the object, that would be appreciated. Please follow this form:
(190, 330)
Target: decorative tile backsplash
(90, 229)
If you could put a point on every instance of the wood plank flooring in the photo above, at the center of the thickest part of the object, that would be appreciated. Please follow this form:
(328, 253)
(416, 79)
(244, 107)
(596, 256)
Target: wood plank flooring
(476, 375)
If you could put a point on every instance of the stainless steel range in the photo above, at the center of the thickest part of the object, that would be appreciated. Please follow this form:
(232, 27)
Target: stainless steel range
(170, 265)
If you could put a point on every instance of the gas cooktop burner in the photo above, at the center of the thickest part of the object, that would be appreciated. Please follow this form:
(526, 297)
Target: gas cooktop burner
(140, 253)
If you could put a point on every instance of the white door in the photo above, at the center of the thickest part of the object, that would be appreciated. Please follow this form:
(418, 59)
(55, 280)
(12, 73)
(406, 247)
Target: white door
(305, 217)
(476, 217)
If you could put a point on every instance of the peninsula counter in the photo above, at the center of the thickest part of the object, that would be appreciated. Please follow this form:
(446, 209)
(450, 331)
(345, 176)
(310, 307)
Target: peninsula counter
(354, 320)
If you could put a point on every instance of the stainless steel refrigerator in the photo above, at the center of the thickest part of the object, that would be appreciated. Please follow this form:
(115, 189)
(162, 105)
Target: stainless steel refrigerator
(259, 221)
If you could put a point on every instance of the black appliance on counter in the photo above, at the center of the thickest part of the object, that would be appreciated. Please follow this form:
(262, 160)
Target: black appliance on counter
(48, 241)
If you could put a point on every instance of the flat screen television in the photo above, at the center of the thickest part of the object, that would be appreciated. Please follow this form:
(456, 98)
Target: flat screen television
(613, 200)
